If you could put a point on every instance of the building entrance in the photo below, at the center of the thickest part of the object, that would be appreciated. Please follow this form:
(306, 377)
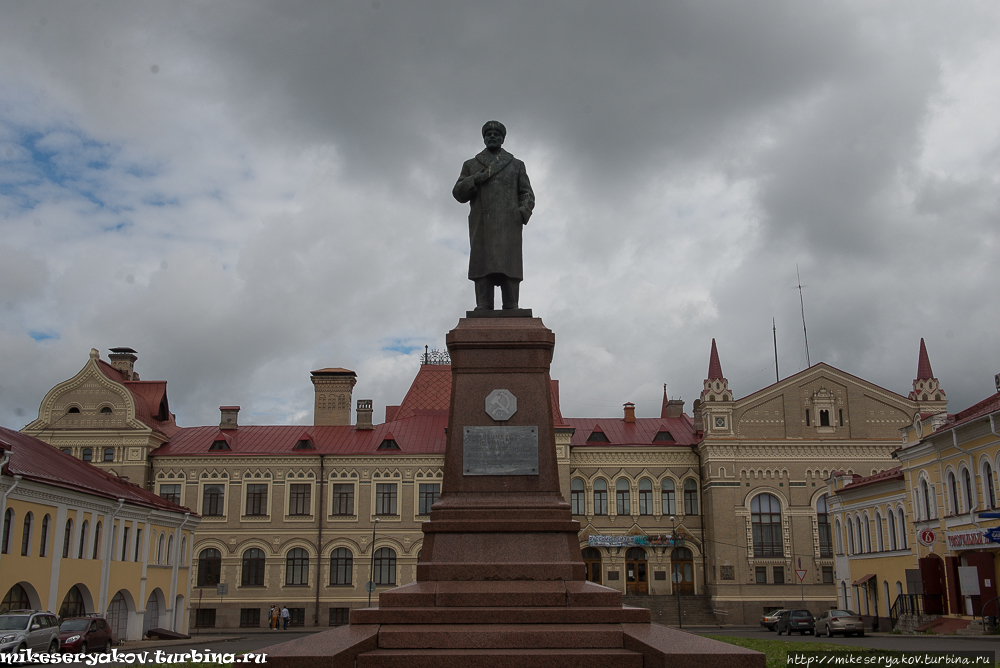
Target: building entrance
(635, 572)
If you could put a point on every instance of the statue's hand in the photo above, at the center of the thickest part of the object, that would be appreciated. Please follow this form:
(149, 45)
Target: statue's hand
(479, 177)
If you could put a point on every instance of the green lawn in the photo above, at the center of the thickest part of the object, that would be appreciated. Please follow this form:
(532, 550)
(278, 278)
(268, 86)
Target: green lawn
(776, 650)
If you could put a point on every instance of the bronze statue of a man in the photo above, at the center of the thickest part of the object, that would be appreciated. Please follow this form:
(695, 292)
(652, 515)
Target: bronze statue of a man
(497, 188)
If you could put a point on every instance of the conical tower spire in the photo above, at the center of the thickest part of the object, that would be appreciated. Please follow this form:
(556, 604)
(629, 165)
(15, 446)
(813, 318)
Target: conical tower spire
(926, 388)
(714, 366)
(716, 387)
(924, 363)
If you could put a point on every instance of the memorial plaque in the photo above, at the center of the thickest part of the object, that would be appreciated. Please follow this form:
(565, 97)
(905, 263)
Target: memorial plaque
(500, 450)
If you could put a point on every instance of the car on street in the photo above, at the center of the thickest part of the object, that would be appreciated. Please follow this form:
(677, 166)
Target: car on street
(83, 634)
(29, 629)
(771, 618)
(796, 620)
(844, 622)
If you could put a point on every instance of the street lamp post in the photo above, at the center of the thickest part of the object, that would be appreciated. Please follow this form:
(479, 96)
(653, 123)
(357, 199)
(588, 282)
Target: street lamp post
(676, 576)
(371, 568)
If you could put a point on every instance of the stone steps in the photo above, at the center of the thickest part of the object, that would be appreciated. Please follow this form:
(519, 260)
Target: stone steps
(696, 610)
(500, 658)
(500, 636)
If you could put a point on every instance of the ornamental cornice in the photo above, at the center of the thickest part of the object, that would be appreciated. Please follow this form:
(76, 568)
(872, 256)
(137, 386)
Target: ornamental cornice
(373, 461)
(32, 491)
(621, 459)
(798, 451)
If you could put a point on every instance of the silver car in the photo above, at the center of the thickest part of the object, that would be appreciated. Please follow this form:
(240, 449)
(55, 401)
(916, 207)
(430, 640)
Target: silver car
(844, 622)
(29, 629)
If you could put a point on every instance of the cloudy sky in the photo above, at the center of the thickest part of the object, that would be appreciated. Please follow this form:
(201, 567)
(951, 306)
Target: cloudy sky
(246, 191)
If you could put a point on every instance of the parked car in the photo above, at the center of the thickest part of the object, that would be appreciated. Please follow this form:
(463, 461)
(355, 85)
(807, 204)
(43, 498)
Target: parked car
(82, 634)
(29, 629)
(770, 619)
(796, 620)
(840, 621)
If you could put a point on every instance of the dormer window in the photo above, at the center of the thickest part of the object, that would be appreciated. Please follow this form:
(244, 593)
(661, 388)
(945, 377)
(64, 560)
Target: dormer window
(598, 436)
(663, 437)
(72, 410)
(388, 444)
(106, 410)
(220, 444)
(304, 444)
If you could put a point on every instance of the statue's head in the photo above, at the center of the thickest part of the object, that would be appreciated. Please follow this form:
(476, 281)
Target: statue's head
(493, 134)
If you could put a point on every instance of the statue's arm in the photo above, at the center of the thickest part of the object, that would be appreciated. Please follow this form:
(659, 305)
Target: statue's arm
(525, 195)
(465, 187)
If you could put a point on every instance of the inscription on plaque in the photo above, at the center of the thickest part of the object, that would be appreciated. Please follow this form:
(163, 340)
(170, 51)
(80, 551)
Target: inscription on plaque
(500, 450)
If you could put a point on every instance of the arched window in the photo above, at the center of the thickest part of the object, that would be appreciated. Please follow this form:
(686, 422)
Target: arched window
(860, 547)
(83, 539)
(8, 526)
(67, 538)
(159, 548)
(953, 486)
(26, 535)
(184, 551)
(902, 528)
(645, 497)
(600, 497)
(578, 497)
(109, 454)
(667, 497)
(879, 545)
(592, 562)
(209, 567)
(892, 530)
(341, 566)
(851, 547)
(43, 539)
(925, 492)
(823, 523)
(837, 536)
(622, 497)
(690, 497)
(385, 566)
(15, 599)
(253, 567)
(765, 518)
(72, 605)
(170, 550)
(297, 567)
(88, 454)
(97, 541)
(969, 505)
(990, 494)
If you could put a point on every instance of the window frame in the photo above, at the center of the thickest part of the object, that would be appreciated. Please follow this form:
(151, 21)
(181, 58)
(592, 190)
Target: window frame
(623, 497)
(220, 502)
(427, 498)
(670, 495)
(338, 498)
(600, 497)
(295, 501)
(170, 497)
(257, 498)
(767, 537)
(341, 567)
(386, 499)
(253, 567)
(297, 567)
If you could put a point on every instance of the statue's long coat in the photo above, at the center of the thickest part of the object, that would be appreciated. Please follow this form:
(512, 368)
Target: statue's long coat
(501, 206)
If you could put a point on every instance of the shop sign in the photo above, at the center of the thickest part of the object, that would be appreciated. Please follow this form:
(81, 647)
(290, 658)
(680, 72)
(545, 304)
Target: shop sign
(926, 537)
(633, 541)
(993, 535)
(969, 540)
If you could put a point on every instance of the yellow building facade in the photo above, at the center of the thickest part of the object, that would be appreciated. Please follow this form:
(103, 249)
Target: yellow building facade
(77, 540)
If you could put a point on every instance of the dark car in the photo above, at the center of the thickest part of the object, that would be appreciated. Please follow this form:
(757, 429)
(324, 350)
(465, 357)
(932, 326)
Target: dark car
(770, 619)
(796, 620)
(82, 634)
(840, 621)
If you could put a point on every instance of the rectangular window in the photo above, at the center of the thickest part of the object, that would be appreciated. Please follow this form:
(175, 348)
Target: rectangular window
(138, 543)
(212, 500)
(824, 418)
(828, 575)
(622, 502)
(296, 616)
(171, 493)
(385, 498)
(807, 417)
(256, 500)
(204, 618)
(299, 499)
(645, 502)
(340, 616)
(600, 502)
(250, 617)
(668, 502)
(428, 497)
(579, 504)
(761, 573)
(125, 544)
(342, 502)
(690, 502)
(779, 574)
(840, 415)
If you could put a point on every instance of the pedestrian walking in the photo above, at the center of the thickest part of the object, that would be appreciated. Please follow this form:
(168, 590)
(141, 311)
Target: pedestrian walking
(285, 616)
(275, 614)
(270, 618)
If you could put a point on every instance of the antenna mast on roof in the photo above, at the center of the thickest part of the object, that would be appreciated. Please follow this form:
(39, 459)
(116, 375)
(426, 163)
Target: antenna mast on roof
(774, 331)
(802, 306)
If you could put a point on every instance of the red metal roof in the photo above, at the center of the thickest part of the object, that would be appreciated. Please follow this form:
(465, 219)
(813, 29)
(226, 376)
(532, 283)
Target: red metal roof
(639, 433)
(984, 407)
(430, 391)
(895, 473)
(36, 460)
(147, 396)
(714, 366)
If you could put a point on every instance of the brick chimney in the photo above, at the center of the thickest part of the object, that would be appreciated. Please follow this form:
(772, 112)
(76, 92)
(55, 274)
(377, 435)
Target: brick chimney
(699, 424)
(675, 408)
(333, 396)
(629, 412)
(229, 417)
(123, 360)
(364, 421)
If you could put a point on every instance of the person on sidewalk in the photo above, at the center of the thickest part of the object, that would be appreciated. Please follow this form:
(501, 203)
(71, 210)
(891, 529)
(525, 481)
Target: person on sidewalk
(275, 614)
(270, 618)
(285, 616)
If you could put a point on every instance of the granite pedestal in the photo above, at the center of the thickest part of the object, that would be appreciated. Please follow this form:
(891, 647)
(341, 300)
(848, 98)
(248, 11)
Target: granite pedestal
(501, 581)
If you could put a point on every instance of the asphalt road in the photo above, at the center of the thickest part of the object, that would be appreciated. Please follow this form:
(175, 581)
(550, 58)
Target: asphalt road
(874, 641)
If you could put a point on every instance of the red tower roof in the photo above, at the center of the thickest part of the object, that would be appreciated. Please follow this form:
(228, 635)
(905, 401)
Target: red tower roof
(714, 366)
(924, 363)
